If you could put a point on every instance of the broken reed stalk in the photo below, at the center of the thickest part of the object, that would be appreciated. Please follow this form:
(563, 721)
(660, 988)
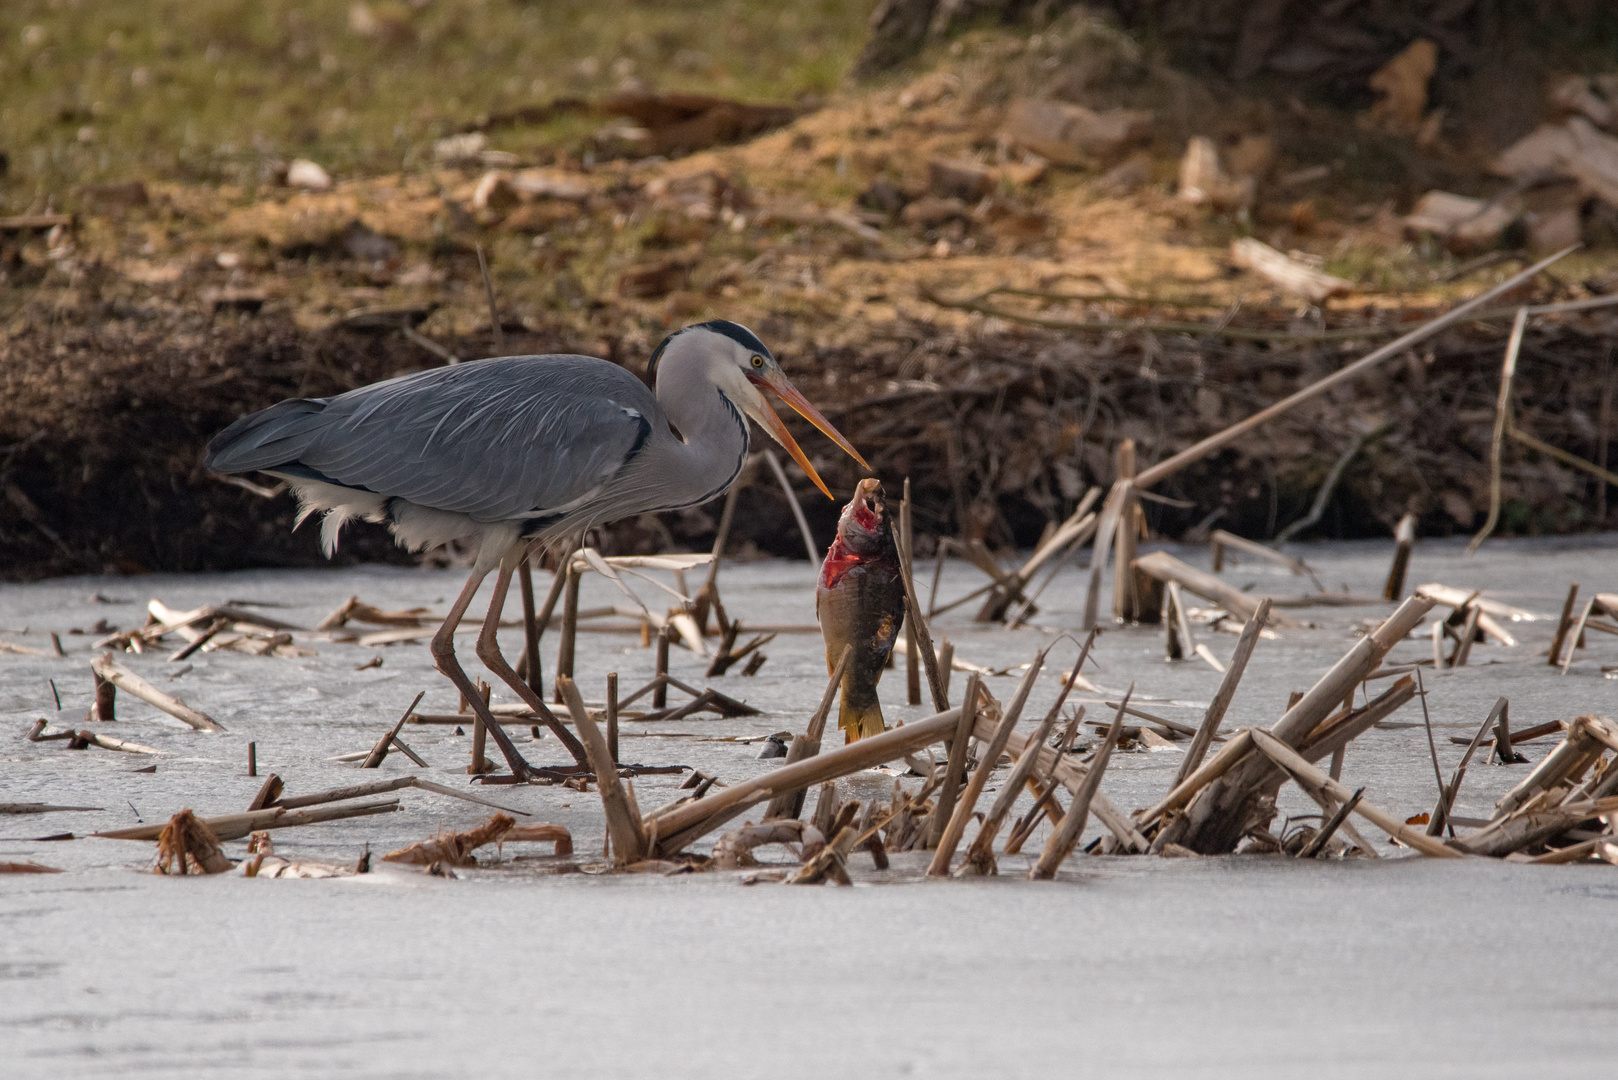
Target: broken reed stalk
(1072, 531)
(1469, 632)
(530, 627)
(1563, 625)
(1166, 568)
(624, 825)
(1124, 594)
(789, 804)
(380, 750)
(236, 826)
(967, 804)
(1066, 836)
(907, 553)
(979, 858)
(543, 620)
(1071, 776)
(1323, 496)
(105, 705)
(1118, 497)
(1576, 638)
(797, 507)
(268, 792)
(480, 734)
(1317, 843)
(955, 767)
(612, 716)
(1227, 691)
(1219, 541)
(1300, 770)
(124, 679)
(1439, 818)
(660, 673)
(1222, 812)
(913, 618)
(570, 624)
(1404, 538)
(494, 312)
(704, 598)
(374, 787)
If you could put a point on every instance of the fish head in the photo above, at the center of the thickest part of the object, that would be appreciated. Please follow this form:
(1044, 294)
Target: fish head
(864, 526)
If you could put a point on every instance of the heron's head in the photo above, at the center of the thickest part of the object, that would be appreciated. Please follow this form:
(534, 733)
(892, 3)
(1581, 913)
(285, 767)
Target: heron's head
(737, 363)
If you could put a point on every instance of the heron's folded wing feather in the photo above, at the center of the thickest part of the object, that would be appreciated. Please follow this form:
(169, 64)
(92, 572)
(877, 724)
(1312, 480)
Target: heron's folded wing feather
(496, 439)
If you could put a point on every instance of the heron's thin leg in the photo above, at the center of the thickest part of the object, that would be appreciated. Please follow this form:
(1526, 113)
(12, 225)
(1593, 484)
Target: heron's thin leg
(488, 650)
(443, 652)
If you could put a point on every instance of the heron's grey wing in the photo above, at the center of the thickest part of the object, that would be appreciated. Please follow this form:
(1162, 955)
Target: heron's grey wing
(494, 439)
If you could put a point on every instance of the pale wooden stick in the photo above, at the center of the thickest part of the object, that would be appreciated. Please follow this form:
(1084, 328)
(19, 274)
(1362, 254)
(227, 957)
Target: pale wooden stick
(1227, 691)
(624, 825)
(236, 826)
(1502, 421)
(127, 681)
(955, 768)
(684, 823)
(924, 639)
(1166, 568)
(380, 750)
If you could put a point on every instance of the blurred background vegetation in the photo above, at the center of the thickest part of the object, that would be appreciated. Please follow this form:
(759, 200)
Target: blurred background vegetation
(221, 90)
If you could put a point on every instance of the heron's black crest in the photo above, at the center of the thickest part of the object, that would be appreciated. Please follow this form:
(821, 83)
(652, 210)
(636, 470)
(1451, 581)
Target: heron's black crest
(737, 333)
(734, 331)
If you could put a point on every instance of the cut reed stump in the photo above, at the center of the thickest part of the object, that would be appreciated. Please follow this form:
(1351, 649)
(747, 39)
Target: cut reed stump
(186, 845)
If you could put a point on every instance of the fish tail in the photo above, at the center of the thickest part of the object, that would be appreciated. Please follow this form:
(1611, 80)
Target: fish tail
(860, 721)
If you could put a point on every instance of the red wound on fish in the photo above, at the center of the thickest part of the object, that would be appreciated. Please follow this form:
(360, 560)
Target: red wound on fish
(839, 561)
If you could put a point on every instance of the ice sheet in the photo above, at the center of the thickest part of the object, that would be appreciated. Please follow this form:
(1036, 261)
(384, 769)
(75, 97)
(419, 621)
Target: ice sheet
(1124, 967)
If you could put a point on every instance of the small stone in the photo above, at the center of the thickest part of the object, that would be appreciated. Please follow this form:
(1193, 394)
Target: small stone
(307, 175)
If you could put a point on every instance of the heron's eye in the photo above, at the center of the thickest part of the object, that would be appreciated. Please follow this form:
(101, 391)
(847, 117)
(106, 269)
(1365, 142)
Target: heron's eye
(758, 361)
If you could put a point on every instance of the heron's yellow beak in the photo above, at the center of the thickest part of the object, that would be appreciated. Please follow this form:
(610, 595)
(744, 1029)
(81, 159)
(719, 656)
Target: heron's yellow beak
(778, 385)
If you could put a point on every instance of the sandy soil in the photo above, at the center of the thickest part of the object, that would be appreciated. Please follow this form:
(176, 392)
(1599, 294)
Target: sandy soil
(1124, 967)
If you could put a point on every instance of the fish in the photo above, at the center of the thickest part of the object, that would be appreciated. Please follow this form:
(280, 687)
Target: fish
(860, 601)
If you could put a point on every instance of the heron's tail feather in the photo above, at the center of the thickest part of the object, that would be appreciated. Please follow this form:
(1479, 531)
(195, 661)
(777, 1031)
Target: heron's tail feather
(276, 436)
(860, 721)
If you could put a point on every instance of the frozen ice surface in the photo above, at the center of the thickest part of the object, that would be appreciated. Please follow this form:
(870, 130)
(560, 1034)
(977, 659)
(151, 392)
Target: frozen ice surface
(1246, 966)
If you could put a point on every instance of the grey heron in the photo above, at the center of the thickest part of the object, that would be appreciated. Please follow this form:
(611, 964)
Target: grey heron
(519, 452)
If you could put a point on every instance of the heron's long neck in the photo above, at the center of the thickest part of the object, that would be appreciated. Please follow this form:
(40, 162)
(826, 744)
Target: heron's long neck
(715, 433)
